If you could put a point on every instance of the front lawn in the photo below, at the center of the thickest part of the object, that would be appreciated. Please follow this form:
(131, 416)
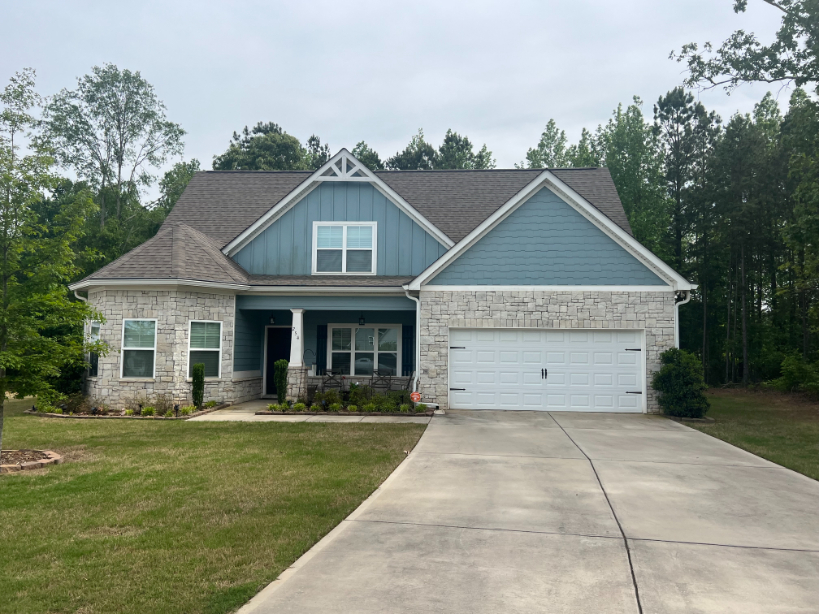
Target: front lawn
(174, 516)
(782, 428)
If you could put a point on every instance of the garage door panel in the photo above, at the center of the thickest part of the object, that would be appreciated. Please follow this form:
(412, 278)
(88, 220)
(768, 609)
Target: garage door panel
(586, 370)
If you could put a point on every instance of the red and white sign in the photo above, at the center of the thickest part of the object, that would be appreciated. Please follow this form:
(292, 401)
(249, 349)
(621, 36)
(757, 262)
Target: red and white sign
(415, 396)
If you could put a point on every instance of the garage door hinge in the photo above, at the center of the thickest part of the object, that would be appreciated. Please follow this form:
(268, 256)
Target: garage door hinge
(457, 388)
(452, 347)
(633, 392)
(634, 350)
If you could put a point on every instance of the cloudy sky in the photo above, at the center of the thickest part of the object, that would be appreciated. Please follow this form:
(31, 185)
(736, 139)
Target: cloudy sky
(352, 70)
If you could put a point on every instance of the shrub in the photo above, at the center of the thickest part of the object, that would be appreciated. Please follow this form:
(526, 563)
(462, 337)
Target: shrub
(369, 407)
(421, 407)
(335, 407)
(129, 412)
(360, 394)
(168, 414)
(327, 398)
(280, 378)
(404, 408)
(163, 404)
(798, 375)
(211, 404)
(300, 407)
(352, 408)
(187, 410)
(198, 385)
(681, 385)
(316, 408)
(274, 407)
(148, 411)
(384, 402)
(58, 411)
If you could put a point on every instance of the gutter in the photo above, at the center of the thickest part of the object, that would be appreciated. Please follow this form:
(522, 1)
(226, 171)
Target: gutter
(678, 302)
(417, 338)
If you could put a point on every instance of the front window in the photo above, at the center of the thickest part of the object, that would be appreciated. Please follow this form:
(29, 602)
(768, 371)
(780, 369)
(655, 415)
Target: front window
(357, 350)
(94, 358)
(344, 248)
(138, 348)
(205, 347)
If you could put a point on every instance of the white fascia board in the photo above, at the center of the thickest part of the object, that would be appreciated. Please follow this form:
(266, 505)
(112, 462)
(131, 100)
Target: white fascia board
(657, 288)
(143, 283)
(601, 221)
(324, 290)
(314, 181)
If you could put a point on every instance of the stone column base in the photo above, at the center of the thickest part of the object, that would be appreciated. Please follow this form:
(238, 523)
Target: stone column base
(296, 383)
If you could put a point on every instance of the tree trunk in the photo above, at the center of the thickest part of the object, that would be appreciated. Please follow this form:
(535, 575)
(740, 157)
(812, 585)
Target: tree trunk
(745, 374)
(728, 295)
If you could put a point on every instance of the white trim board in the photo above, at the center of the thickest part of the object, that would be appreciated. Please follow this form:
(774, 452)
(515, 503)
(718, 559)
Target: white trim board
(357, 172)
(150, 284)
(582, 206)
(344, 249)
(219, 349)
(430, 288)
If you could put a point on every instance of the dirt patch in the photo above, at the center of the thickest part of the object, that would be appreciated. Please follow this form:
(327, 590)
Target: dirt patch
(15, 457)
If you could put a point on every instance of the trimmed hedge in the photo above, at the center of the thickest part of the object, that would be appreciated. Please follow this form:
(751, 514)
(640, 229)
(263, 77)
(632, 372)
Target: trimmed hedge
(681, 385)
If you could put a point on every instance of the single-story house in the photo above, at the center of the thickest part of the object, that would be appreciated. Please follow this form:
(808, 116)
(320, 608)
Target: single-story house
(490, 289)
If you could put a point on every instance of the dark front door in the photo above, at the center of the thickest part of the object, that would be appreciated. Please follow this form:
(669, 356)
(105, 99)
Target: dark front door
(278, 347)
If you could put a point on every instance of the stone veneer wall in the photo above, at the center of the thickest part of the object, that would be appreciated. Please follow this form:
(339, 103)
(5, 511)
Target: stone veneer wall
(173, 310)
(652, 311)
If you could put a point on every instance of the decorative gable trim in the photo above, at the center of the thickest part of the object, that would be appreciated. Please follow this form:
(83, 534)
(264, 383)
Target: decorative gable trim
(582, 206)
(341, 167)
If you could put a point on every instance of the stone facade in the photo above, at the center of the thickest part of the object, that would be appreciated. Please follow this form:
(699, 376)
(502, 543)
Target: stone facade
(440, 310)
(173, 310)
(296, 383)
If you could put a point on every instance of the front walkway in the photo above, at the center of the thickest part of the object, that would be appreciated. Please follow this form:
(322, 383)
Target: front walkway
(522, 512)
(246, 412)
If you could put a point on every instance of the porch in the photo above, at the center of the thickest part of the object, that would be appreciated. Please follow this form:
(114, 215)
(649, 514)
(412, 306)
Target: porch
(348, 335)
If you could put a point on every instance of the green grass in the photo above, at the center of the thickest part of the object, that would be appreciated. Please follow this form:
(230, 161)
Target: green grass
(781, 428)
(176, 516)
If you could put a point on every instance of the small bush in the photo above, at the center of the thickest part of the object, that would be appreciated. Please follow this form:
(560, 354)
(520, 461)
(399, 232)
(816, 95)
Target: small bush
(148, 411)
(404, 408)
(274, 407)
(129, 412)
(370, 407)
(327, 398)
(168, 414)
(798, 375)
(198, 384)
(280, 378)
(421, 407)
(335, 407)
(316, 408)
(352, 408)
(299, 407)
(58, 410)
(163, 404)
(210, 404)
(681, 385)
(385, 403)
(359, 395)
(187, 410)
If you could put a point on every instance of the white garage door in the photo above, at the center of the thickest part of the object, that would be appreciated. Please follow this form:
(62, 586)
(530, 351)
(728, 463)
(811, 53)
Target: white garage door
(552, 370)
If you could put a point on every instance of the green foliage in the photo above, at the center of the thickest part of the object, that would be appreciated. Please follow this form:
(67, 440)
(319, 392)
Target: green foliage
(421, 407)
(680, 384)
(187, 410)
(335, 407)
(368, 156)
(316, 408)
(369, 407)
(405, 408)
(129, 412)
(280, 378)
(456, 152)
(148, 411)
(327, 398)
(352, 408)
(551, 151)
(198, 384)
(265, 147)
(174, 182)
(274, 407)
(210, 404)
(359, 395)
(299, 407)
(798, 375)
(168, 414)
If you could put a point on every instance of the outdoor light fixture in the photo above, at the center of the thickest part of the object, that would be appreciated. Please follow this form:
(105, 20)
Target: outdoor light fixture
(361, 320)
(176, 410)
(272, 320)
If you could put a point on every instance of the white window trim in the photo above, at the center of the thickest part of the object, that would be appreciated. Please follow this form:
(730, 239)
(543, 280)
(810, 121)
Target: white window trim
(352, 351)
(123, 348)
(190, 327)
(373, 225)
(91, 339)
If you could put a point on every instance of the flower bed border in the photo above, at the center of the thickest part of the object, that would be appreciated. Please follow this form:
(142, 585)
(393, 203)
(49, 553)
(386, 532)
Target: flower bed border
(53, 459)
(405, 414)
(195, 414)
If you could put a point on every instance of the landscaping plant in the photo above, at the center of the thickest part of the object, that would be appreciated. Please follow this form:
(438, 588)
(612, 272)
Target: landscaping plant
(280, 378)
(421, 407)
(404, 408)
(352, 408)
(198, 385)
(681, 385)
(336, 407)
(370, 407)
(299, 407)
(146, 411)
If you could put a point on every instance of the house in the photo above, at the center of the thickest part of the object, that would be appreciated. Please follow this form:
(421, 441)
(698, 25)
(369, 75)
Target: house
(497, 289)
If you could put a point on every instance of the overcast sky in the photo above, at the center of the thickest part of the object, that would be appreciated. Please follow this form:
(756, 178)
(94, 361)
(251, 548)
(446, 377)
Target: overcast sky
(377, 71)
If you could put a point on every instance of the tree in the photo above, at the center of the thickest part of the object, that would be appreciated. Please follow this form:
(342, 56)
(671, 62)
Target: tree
(265, 147)
(417, 156)
(174, 182)
(457, 152)
(793, 56)
(111, 131)
(40, 327)
(316, 154)
(551, 151)
(368, 156)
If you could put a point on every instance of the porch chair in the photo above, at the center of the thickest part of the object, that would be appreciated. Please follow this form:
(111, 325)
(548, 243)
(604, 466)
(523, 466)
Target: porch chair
(380, 383)
(332, 381)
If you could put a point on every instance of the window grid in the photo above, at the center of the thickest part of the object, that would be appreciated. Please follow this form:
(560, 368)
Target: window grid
(126, 348)
(352, 239)
(208, 339)
(344, 347)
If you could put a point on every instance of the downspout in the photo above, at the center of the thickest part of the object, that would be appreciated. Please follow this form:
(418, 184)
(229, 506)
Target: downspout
(84, 300)
(677, 303)
(417, 338)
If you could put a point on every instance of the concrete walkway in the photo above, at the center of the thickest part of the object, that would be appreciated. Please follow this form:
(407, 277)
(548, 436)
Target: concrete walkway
(246, 412)
(522, 512)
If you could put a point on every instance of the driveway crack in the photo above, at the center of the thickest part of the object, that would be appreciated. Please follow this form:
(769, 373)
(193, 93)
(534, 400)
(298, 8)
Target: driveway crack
(613, 513)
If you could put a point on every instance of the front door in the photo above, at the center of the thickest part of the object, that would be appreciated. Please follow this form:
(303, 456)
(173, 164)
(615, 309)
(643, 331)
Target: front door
(278, 347)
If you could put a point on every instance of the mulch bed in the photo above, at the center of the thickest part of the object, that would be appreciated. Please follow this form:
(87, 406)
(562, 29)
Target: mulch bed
(21, 460)
(429, 412)
(118, 416)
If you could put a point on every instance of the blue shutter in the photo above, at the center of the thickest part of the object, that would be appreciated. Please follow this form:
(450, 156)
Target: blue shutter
(321, 349)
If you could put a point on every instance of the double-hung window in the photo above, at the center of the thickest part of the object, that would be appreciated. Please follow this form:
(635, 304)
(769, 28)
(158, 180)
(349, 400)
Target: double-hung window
(138, 348)
(344, 247)
(93, 358)
(357, 350)
(205, 347)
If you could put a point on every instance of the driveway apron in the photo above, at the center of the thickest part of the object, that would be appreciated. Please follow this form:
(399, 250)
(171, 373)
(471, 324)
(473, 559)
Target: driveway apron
(535, 512)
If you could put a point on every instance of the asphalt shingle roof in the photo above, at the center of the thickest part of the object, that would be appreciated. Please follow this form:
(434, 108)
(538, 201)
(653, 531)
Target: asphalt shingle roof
(217, 206)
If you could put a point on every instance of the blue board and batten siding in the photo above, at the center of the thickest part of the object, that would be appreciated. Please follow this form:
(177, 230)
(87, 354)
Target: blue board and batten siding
(285, 248)
(546, 242)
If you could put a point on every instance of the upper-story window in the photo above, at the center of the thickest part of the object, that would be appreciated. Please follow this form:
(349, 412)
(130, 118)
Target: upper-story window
(344, 248)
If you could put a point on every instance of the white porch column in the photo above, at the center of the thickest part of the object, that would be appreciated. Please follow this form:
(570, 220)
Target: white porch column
(297, 339)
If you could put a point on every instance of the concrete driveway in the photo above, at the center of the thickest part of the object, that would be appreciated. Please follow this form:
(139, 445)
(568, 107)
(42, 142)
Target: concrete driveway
(535, 512)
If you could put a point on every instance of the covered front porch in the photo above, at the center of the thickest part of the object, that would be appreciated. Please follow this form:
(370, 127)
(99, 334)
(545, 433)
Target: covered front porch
(354, 336)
